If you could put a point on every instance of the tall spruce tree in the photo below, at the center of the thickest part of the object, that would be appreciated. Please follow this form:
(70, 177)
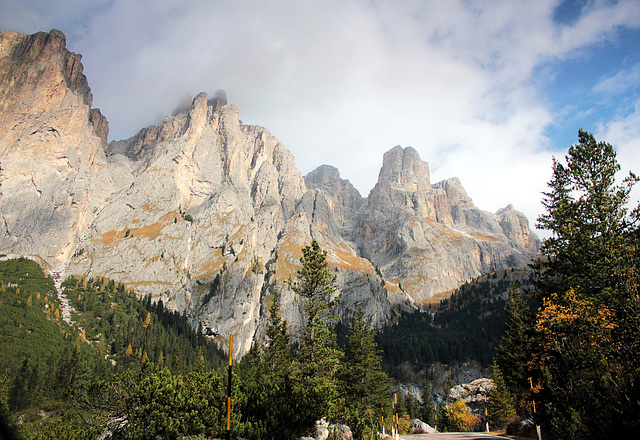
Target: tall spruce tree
(587, 215)
(271, 406)
(366, 387)
(516, 346)
(319, 354)
(586, 354)
(428, 407)
(501, 407)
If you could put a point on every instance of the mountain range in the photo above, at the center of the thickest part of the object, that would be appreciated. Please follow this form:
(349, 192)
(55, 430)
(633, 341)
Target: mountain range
(210, 215)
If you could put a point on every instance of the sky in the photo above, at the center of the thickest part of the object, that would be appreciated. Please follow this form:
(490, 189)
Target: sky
(485, 90)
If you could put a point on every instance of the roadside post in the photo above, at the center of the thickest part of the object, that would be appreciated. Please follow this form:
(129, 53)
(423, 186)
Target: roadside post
(435, 408)
(229, 388)
(395, 398)
(393, 419)
(534, 412)
(486, 415)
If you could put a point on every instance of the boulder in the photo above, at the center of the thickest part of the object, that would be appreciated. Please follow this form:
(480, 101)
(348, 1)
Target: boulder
(335, 432)
(419, 427)
(114, 429)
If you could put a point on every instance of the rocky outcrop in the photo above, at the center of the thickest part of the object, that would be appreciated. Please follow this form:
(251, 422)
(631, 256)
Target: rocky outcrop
(473, 394)
(210, 215)
(428, 238)
(343, 201)
(325, 431)
(53, 170)
(420, 427)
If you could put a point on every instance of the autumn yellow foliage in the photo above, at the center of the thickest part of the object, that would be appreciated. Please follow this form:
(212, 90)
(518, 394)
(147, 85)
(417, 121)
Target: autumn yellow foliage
(460, 416)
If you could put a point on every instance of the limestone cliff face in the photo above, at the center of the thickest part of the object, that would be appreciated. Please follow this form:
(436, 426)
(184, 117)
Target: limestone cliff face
(53, 171)
(428, 238)
(210, 215)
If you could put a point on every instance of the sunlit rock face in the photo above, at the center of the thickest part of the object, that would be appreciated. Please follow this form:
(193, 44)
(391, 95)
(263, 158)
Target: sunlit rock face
(210, 215)
(54, 174)
(431, 238)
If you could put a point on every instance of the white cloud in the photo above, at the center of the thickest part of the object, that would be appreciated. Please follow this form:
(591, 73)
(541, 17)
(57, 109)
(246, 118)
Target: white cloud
(341, 82)
(621, 82)
(624, 134)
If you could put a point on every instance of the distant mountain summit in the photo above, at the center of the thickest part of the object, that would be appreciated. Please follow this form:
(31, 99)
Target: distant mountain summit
(210, 214)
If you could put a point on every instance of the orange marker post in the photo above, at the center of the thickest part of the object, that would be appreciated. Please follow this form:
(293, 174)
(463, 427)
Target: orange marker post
(534, 412)
(229, 388)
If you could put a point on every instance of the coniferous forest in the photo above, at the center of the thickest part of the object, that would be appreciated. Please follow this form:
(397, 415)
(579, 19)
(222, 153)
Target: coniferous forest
(563, 342)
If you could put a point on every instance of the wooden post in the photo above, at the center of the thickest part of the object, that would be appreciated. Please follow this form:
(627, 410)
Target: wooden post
(435, 407)
(534, 412)
(486, 415)
(393, 419)
(229, 388)
(395, 398)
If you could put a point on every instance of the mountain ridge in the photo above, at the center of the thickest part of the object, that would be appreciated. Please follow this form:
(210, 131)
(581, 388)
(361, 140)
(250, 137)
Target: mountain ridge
(209, 214)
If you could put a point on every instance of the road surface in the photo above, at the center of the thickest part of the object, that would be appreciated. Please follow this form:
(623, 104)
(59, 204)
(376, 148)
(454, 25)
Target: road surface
(453, 436)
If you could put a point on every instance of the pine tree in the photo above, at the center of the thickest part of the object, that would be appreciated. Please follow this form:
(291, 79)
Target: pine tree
(277, 351)
(588, 218)
(586, 354)
(501, 407)
(517, 344)
(272, 405)
(366, 387)
(319, 354)
(428, 407)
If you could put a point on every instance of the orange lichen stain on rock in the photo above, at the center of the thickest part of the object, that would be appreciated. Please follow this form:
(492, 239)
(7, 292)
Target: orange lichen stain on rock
(288, 261)
(341, 257)
(418, 259)
(151, 207)
(150, 232)
(108, 238)
(393, 286)
(452, 233)
(414, 283)
(211, 267)
(137, 284)
(485, 236)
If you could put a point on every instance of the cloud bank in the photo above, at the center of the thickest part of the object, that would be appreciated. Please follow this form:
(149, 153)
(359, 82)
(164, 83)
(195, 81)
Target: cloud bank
(465, 82)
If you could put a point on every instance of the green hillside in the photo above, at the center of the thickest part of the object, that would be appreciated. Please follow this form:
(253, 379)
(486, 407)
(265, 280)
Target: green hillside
(49, 369)
(467, 326)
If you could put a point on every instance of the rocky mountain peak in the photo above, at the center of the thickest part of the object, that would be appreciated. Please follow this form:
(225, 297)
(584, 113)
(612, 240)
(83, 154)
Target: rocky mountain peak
(323, 176)
(403, 169)
(327, 178)
(343, 200)
(32, 67)
(210, 215)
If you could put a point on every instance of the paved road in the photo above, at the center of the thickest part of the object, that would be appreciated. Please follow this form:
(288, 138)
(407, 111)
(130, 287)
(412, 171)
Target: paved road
(453, 436)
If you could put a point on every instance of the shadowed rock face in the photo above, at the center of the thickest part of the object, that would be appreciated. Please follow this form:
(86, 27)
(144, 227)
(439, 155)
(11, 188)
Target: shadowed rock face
(210, 214)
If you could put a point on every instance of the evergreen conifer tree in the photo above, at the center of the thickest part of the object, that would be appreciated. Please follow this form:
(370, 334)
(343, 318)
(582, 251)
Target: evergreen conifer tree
(501, 407)
(319, 354)
(585, 359)
(517, 344)
(427, 408)
(366, 387)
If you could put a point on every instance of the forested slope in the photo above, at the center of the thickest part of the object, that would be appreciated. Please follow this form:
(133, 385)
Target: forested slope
(47, 364)
(467, 326)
